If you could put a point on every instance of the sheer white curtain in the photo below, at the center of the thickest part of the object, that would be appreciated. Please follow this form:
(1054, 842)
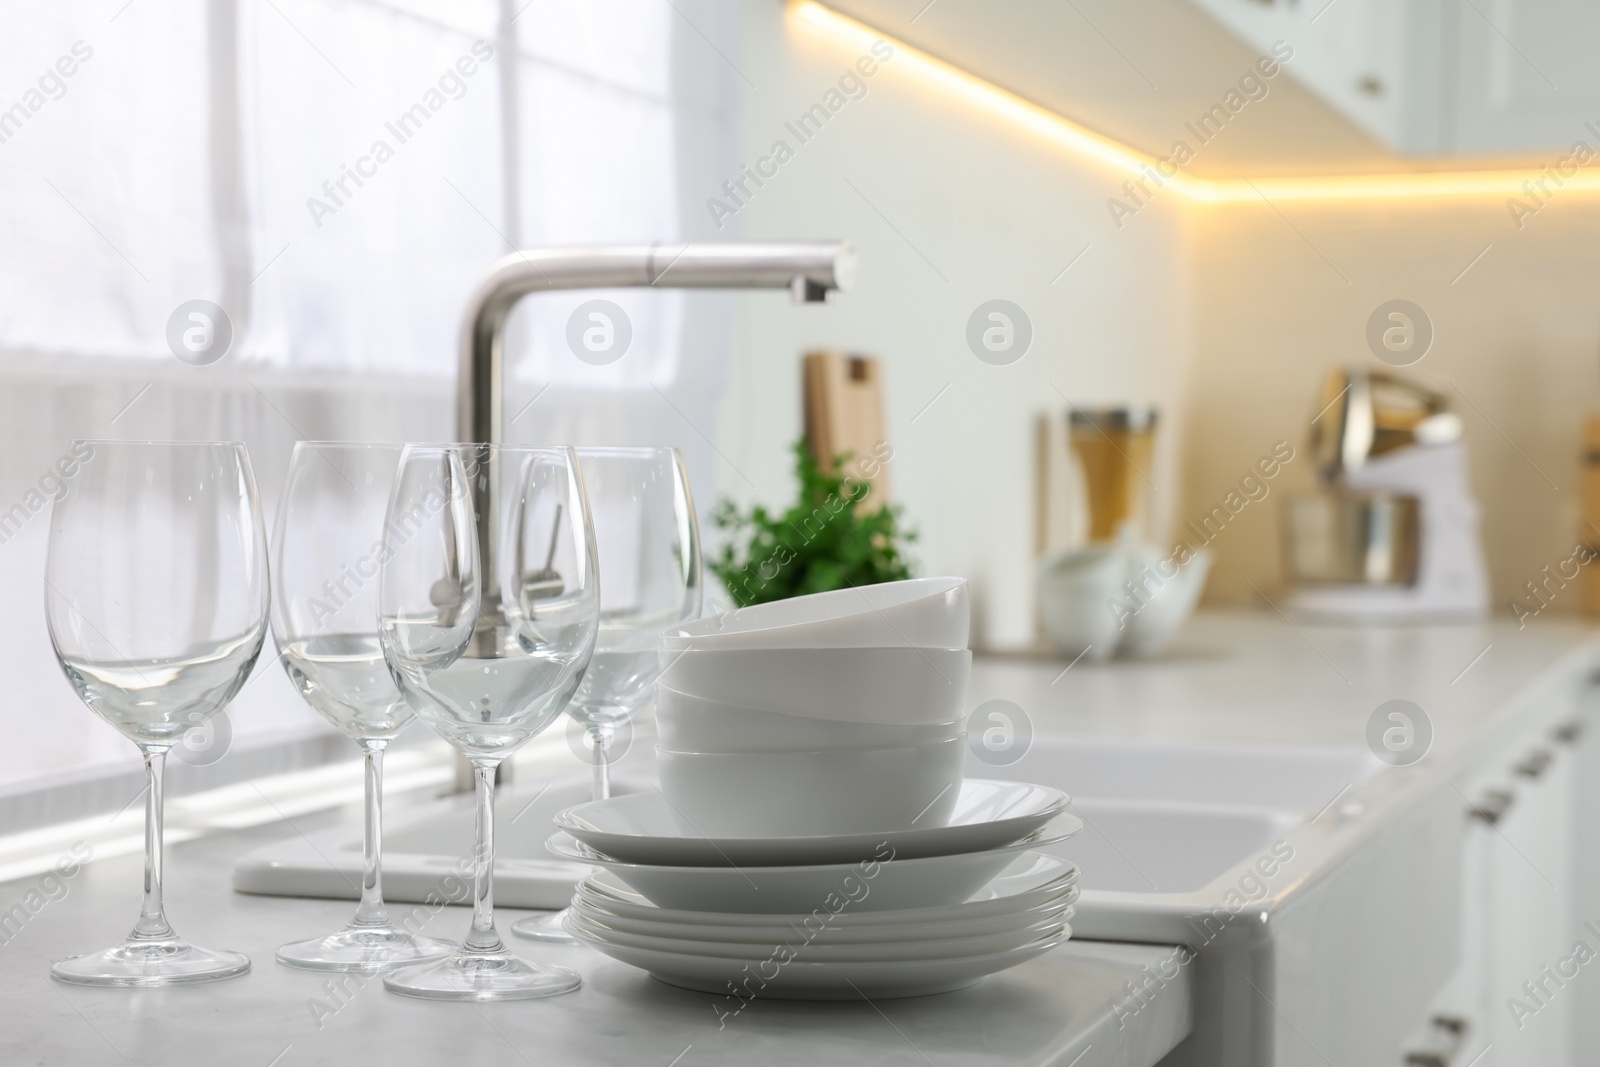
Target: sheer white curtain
(336, 175)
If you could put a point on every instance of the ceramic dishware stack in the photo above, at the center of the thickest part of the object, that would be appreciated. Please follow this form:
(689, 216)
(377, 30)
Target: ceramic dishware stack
(813, 836)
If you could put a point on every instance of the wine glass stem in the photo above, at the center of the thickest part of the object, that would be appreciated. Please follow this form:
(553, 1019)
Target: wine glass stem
(152, 924)
(483, 938)
(371, 912)
(600, 741)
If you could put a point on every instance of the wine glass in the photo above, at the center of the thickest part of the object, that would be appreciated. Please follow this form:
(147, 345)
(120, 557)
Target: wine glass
(488, 606)
(326, 547)
(650, 581)
(156, 602)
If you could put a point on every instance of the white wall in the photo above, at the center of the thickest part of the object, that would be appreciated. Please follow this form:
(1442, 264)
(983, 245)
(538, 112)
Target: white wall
(946, 208)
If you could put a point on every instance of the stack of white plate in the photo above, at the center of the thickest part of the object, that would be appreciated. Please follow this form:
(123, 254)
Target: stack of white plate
(825, 916)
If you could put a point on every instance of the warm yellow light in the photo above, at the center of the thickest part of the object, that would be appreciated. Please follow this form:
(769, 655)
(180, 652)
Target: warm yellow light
(1031, 117)
(1052, 127)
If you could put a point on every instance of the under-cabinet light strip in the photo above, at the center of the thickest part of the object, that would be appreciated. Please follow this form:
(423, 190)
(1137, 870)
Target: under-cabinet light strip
(1049, 126)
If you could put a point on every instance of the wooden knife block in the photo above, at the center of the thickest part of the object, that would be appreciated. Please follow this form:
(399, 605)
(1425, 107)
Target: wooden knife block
(844, 413)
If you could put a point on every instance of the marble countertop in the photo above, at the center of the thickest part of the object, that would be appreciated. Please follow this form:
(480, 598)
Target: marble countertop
(1239, 677)
(1070, 1007)
(1256, 677)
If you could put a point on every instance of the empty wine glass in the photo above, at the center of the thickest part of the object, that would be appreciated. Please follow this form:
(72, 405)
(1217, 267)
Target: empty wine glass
(488, 606)
(326, 547)
(156, 602)
(650, 581)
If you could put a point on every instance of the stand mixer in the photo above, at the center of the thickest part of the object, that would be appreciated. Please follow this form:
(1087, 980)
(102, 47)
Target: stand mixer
(1393, 532)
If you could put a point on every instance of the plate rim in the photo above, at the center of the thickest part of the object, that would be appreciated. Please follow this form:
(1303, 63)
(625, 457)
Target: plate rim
(756, 951)
(565, 821)
(817, 967)
(1072, 826)
(1058, 907)
(1068, 879)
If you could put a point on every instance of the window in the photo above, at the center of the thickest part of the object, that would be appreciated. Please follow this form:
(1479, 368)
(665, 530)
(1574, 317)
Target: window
(336, 175)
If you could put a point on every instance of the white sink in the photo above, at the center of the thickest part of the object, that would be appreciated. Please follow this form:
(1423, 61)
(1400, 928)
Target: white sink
(1161, 822)
(1281, 778)
(1135, 847)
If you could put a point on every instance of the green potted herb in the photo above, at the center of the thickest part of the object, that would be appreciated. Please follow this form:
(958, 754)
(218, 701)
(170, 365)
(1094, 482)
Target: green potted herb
(828, 539)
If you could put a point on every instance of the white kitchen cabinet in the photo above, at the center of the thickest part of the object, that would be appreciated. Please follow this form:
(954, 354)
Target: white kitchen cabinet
(1527, 82)
(1380, 63)
(1528, 883)
(1440, 77)
(1531, 923)
(1586, 861)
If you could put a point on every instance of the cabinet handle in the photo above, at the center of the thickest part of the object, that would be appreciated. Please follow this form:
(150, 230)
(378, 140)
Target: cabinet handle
(1568, 732)
(1535, 763)
(1494, 805)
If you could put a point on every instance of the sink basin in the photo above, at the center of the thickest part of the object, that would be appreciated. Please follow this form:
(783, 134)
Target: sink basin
(1132, 847)
(1280, 778)
(1162, 823)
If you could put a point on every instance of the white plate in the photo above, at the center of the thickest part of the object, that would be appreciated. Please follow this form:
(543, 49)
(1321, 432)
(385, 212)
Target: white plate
(799, 979)
(1030, 881)
(591, 927)
(644, 828)
(824, 929)
(870, 885)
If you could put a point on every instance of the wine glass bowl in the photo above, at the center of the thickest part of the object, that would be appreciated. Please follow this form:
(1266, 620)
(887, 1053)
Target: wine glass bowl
(328, 543)
(490, 661)
(488, 611)
(650, 581)
(156, 598)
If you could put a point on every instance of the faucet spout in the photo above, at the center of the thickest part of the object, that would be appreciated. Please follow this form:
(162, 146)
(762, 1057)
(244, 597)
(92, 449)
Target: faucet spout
(808, 269)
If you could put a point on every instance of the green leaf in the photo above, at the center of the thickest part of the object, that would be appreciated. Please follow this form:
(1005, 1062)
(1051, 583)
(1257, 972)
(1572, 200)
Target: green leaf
(821, 542)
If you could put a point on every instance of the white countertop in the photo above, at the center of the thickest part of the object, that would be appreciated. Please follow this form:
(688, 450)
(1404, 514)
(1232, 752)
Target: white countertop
(1257, 678)
(1060, 1009)
(1232, 678)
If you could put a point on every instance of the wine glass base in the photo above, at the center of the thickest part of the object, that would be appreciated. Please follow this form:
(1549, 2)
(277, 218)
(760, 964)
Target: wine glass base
(547, 928)
(479, 977)
(171, 961)
(363, 949)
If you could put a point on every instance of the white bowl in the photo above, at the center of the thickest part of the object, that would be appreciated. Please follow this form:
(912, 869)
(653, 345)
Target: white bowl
(1168, 605)
(1077, 596)
(886, 686)
(687, 723)
(920, 613)
(760, 794)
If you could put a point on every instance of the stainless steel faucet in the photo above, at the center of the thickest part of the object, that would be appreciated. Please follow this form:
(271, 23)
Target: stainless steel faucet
(808, 269)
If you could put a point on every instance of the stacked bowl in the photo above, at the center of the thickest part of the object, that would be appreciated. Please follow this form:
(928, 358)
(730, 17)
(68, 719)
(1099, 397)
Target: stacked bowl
(813, 837)
(834, 713)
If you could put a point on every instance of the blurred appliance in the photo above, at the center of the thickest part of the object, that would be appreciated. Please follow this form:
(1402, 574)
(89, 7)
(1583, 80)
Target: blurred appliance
(1393, 531)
